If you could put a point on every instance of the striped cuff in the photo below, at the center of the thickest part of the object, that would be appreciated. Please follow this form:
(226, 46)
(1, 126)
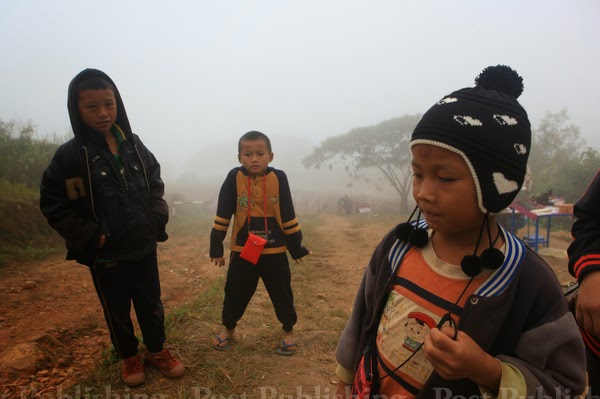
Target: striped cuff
(221, 223)
(584, 262)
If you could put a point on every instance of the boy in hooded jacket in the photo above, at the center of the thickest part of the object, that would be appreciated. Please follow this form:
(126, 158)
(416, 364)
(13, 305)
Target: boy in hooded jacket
(454, 306)
(103, 193)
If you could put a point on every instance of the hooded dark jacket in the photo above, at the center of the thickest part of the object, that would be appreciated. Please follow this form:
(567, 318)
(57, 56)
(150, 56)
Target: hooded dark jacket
(83, 195)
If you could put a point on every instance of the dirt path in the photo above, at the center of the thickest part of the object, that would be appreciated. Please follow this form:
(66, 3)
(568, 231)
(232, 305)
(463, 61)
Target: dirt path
(51, 306)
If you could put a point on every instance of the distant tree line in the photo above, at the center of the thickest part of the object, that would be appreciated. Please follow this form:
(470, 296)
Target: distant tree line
(560, 159)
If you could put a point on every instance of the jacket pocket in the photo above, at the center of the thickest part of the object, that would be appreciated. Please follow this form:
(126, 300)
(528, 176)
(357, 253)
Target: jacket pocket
(135, 175)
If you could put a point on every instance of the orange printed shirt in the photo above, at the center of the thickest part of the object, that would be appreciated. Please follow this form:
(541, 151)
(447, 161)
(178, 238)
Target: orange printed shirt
(425, 289)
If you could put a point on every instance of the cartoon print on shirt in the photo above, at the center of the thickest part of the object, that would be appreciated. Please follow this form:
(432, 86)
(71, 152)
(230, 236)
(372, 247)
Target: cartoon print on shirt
(417, 327)
(402, 329)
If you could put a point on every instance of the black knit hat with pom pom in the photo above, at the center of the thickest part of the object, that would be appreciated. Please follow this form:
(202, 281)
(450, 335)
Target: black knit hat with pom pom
(487, 126)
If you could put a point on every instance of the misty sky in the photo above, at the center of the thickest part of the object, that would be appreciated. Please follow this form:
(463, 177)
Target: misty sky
(195, 74)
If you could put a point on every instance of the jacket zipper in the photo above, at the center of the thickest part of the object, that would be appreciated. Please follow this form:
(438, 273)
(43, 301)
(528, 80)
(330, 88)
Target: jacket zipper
(87, 164)
(143, 169)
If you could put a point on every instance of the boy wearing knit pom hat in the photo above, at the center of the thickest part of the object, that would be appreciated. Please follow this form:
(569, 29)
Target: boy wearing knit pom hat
(503, 327)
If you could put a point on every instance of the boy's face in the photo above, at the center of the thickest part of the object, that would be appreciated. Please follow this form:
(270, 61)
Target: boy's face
(444, 190)
(98, 109)
(255, 156)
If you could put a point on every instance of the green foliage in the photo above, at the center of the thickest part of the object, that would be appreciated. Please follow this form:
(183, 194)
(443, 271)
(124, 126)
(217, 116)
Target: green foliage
(24, 155)
(23, 158)
(560, 160)
(382, 147)
(17, 191)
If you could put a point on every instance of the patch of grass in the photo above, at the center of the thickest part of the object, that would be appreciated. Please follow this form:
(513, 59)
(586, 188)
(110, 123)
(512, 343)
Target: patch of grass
(108, 357)
(18, 254)
(206, 307)
(17, 192)
(189, 224)
(361, 220)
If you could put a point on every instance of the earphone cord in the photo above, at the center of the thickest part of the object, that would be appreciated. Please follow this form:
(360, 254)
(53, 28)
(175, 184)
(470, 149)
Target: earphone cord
(485, 222)
(413, 212)
(489, 231)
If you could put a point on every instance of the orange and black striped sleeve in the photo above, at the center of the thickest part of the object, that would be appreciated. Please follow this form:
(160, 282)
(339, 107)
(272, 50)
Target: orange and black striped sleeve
(291, 227)
(225, 210)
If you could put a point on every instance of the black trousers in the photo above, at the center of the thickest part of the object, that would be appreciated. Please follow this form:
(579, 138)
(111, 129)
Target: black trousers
(593, 369)
(242, 280)
(118, 285)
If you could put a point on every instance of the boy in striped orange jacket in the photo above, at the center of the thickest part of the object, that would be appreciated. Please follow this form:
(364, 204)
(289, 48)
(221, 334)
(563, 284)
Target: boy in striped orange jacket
(258, 198)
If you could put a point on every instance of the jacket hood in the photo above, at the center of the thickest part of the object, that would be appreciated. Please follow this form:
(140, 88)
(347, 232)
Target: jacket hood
(82, 132)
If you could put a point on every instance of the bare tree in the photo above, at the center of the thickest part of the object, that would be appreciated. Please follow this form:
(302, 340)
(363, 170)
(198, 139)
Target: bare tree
(382, 147)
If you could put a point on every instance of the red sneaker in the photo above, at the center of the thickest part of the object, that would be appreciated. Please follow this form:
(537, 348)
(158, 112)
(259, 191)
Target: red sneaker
(165, 363)
(132, 371)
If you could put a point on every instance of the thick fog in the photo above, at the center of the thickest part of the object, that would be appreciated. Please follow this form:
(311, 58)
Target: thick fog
(195, 75)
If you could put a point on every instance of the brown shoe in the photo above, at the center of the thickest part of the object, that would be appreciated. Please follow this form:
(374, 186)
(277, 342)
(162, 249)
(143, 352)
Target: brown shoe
(132, 371)
(165, 363)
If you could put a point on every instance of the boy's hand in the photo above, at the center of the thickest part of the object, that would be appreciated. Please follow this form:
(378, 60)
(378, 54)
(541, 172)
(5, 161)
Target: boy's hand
(587, 310)
(299, 260)
(218, 261)
(102, 241)
(461, 358)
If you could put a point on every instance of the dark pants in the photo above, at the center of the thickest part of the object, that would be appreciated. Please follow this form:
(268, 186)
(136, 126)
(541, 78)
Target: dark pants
(593, 369)
(118, 285)
(242, 280)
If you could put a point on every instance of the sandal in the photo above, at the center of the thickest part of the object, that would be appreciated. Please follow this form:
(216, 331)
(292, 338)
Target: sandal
(218, 345)
(285, 349)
